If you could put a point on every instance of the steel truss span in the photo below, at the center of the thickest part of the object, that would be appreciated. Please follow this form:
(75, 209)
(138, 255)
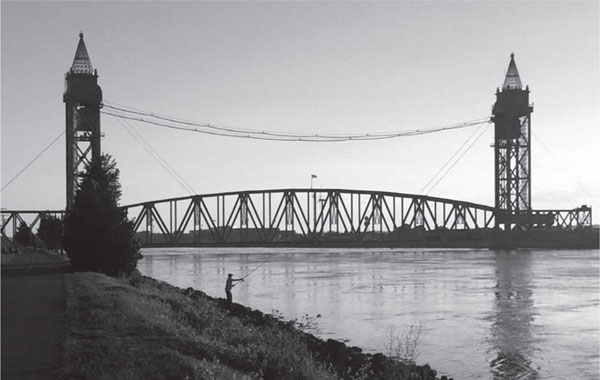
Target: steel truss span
(315, 217)
(302, 216)
(30, 218)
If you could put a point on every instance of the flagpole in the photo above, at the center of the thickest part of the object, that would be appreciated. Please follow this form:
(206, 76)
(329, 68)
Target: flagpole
(314, 195)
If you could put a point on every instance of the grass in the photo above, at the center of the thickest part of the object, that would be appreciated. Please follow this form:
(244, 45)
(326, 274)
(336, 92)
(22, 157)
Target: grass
(153, 331)
(140, 328)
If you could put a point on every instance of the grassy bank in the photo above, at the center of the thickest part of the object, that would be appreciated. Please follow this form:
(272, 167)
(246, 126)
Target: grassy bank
(141, 328)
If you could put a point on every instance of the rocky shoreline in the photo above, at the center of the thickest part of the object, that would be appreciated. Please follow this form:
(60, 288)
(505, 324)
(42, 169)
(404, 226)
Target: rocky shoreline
(348, 362)
(137, 327)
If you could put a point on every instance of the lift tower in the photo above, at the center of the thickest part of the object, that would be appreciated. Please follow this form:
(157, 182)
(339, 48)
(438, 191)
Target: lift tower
(82, 98)
(512, 148)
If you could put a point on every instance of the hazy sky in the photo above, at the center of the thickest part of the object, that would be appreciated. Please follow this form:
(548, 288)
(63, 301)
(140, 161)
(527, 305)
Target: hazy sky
(318, 67)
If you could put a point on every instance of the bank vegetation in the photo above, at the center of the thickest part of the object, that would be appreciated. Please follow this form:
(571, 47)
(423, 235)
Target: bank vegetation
(141, 328)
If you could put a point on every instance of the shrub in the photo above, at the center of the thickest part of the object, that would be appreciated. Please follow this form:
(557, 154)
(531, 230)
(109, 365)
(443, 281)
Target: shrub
(24, 236)
(403, 342)
(98, 236)
(51, 231)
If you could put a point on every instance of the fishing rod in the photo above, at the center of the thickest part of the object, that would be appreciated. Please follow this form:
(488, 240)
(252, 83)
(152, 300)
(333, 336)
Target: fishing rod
(249, 273)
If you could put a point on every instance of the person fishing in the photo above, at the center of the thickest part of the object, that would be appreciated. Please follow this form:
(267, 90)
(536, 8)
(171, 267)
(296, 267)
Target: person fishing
(229, 285)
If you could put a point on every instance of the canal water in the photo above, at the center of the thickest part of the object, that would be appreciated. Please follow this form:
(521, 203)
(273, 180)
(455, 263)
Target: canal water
(483, 314)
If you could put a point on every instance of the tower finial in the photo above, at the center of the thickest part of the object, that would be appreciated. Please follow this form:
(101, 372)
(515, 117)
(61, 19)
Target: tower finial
(81, 62)
(512, 80)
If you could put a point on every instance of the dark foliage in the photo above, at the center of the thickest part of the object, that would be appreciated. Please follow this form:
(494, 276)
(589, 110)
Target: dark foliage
(24, 236)
(51, 231)
(98, 236)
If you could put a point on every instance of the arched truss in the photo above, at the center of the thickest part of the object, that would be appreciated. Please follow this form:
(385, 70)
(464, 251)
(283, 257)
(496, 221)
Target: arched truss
(306, 216)
(300, 216)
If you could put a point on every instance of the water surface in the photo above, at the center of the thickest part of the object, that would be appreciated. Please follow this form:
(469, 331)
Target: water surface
(485, 314)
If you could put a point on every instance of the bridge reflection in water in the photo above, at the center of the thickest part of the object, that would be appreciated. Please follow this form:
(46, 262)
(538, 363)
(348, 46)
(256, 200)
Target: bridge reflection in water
(513, 317)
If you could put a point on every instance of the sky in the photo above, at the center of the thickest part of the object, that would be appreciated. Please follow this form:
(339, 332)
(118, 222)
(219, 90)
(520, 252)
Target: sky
(306, 67)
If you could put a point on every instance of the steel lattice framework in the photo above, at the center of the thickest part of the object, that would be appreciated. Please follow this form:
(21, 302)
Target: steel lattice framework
(305, 216)
(82, 98)
(299, 215)
(309, 216)
(512, 151)
(30, 218)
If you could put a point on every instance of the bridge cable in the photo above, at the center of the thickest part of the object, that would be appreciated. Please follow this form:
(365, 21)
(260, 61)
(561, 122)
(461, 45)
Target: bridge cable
(175, 174)
(157, 157)
(211, 129)
(448, 162)
(228, 129)
(561, 165)
(161, 161)
(315, 138)
(34, 159)
(241, 130)
(457, 161)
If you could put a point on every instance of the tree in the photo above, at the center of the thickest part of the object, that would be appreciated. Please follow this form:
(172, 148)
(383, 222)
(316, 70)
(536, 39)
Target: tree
(24, 236)
(98, 236)
(50, 231)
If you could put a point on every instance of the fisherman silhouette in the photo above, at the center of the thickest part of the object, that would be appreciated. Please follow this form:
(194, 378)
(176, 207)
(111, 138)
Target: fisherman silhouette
(229, 285)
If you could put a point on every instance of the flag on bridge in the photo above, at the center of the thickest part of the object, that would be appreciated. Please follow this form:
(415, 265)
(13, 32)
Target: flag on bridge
(313, 176)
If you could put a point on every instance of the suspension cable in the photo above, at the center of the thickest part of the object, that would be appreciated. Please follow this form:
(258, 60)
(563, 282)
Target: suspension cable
(160, 160)
(577, 183)
(32, 161)
(211, 129)
(448, 162)
(157, 157)
(457, 161)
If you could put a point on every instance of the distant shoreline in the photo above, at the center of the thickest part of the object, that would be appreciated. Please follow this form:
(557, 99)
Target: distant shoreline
(486, 238)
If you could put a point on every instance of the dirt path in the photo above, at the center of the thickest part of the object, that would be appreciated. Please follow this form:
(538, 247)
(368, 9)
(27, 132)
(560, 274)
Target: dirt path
(33, 313)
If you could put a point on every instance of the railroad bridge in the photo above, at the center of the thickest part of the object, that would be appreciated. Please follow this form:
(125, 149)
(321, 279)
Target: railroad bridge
(324, 216)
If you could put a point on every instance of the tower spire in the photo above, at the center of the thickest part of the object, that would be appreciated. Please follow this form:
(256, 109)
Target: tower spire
(512, 80)
(83, 100)
(81, 62)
